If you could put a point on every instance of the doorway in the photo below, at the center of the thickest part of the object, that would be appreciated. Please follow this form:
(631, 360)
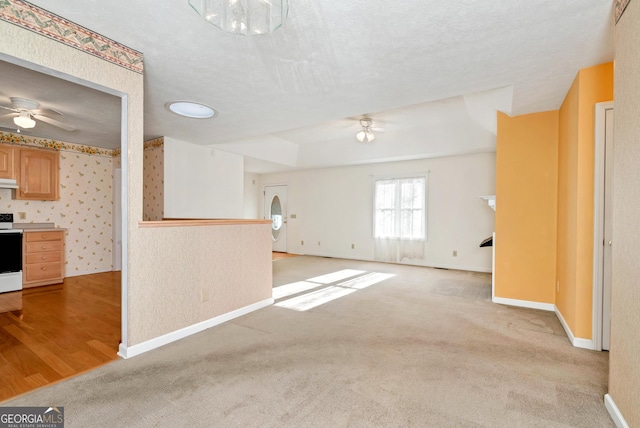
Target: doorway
(603, 230)
(275, 208)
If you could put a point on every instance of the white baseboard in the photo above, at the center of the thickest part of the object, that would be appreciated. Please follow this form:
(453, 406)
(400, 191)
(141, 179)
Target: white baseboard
(575, 341)
(614, 412)
(132, 351)
(524, 304)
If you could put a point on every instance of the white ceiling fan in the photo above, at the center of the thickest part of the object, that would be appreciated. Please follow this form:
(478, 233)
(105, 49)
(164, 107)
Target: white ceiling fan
(25, 113)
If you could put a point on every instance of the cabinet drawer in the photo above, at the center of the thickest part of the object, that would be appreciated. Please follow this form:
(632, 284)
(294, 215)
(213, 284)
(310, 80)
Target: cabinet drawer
(43, 246)
(42, 271)
(51, 256)
(44, 236)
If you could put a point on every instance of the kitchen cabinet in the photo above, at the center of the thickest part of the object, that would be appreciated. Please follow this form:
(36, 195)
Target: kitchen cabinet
(38, 175)
(7, 161)
(42, 258)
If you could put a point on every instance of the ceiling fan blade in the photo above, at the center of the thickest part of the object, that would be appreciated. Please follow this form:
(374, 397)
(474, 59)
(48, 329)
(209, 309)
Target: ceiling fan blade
(6, 115)
(10, 108)
(47, 111)
(54, 122)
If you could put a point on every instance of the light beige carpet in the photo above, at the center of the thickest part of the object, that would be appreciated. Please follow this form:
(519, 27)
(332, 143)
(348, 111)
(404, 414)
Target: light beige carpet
(424, 348)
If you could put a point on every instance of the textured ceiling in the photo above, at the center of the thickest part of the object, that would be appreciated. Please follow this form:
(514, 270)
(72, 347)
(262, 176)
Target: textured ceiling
(432, 72)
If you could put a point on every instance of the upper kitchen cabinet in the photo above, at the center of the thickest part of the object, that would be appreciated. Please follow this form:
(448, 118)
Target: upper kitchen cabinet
(38, 175)
(7, 161)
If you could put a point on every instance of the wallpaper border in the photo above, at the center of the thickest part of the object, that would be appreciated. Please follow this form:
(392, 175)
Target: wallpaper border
(621, 5)
(156, 143)
(21, 140)
(45, 23)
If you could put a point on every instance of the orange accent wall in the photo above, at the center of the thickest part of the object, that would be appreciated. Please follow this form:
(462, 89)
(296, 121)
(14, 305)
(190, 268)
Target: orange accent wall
(575, 196)
(526, 214)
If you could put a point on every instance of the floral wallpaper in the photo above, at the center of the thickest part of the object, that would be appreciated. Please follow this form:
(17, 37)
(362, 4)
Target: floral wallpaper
(153, 180)
(85, 209)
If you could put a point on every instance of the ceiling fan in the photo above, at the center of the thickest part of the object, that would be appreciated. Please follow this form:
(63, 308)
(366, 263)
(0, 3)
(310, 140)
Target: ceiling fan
(25, 113)
(365, 134)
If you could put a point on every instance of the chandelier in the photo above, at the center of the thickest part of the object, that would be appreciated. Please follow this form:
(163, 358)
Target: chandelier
(244, 17)
(365, 135)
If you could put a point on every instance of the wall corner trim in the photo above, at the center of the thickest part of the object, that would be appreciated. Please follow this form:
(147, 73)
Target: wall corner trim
(614, 412)
(131, 351)
(525, 304)
(575, 341)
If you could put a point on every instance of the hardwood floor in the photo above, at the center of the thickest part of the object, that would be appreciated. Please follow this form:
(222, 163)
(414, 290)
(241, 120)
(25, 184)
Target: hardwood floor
(277, 256)
(51, 333)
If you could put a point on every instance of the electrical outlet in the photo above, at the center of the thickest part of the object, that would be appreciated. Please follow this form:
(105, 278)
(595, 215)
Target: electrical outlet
(353, 246)
(301, 242)
(293, 216)
(204, 296)
(455, 253)
(558, 285)
(22, 215)
(318, 243)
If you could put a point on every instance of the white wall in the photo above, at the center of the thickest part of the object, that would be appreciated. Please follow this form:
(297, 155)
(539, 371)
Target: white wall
(201, 182)
(251, 196)
(334, 206)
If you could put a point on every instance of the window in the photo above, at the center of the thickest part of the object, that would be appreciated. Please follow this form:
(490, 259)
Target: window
(400, 208)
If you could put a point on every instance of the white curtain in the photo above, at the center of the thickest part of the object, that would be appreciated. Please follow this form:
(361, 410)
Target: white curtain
(396, 250)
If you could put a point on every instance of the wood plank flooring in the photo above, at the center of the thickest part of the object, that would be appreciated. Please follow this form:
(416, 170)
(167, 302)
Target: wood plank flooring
(50, 333)
(277, 256)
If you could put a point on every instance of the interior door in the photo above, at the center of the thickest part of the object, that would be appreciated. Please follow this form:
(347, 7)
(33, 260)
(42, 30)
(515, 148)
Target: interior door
(608, 229)
(275, 208)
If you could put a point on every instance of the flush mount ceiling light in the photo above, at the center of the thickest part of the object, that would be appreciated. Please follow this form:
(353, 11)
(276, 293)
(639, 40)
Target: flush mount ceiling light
(190, 109)
(24, 120)
(365, 135)
(244, 17)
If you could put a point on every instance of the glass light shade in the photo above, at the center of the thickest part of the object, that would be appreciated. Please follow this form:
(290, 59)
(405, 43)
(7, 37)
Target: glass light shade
(244, 17)
(365, 136)
(190, 109)
(24, 120)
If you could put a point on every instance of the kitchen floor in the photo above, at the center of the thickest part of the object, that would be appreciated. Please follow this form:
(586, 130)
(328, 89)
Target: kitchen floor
(51, 333)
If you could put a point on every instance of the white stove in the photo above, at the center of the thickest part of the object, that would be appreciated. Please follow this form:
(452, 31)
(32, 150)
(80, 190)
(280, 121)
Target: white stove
(10, 255)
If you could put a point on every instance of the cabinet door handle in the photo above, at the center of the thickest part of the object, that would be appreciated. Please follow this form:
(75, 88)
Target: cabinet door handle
(44, 268)
(44, 258)
(44, 236)
(44, 247)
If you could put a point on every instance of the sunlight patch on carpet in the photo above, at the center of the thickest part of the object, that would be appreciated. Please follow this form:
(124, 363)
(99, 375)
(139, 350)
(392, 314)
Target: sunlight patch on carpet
(314, 298)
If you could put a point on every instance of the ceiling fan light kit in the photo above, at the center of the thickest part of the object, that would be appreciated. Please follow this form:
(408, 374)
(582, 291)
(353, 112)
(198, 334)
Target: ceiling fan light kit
(243, 17)
(24, 120)
(365, 135)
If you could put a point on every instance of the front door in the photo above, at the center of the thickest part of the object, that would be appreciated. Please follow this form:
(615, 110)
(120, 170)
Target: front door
(275, 208)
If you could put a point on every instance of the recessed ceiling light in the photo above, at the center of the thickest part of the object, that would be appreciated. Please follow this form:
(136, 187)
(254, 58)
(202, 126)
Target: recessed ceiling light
(190, 109)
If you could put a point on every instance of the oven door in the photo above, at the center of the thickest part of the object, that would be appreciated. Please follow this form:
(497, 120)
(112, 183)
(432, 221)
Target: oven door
(10, 260)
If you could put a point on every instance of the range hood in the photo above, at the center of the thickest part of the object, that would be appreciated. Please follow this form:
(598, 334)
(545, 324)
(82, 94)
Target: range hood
(8, 183)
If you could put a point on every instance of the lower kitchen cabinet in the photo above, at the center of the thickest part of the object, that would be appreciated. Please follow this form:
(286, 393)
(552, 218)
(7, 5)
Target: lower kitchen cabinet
(43, 258)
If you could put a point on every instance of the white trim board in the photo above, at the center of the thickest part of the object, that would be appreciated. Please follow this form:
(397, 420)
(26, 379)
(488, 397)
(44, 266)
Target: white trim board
(614, 412)
(524, 304)
(132, 351)
(575, 341)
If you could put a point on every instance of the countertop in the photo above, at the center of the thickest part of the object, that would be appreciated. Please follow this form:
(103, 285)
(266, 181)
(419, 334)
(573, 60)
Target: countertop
(38, 227)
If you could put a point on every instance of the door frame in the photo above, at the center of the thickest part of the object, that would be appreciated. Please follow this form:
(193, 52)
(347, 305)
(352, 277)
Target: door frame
(264, 212)
(598, 221)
